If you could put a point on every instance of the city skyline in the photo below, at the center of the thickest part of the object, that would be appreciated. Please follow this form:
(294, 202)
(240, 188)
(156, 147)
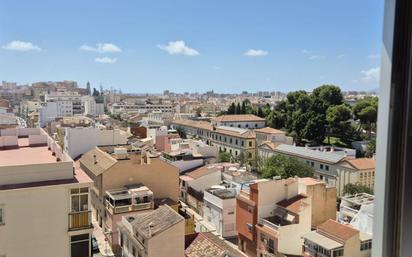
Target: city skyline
(181, 46)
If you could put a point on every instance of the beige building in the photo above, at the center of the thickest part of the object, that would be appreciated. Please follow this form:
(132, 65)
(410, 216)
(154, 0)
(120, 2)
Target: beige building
(247, 121)
(269, 134)
(332, 239)
(158, 233)
(44, 198)
(113, 167)
(272, 215)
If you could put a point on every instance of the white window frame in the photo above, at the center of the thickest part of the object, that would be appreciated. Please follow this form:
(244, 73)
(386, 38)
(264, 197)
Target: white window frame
(3, 214)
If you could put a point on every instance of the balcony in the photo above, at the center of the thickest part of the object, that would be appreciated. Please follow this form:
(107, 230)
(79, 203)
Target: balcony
(80, 220)
(266, 222)
(128, 208)
(128, 199)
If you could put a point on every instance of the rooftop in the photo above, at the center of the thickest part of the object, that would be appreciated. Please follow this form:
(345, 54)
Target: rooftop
(304, 152)
(235, 132)
(269, 130)
(222, 193)
(208, 245)
(362, 163)
(294, 204)
(202, 171)
(155, 222)
(335, 230)
(31, 154)
(238, 117)
(322, 240)
(193, 123)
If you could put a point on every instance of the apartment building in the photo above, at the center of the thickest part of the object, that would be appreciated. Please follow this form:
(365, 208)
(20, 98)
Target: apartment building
(236, 141)
(220, 210)
(158, 233)
(336, 166)
(126, 201)
(140, 108)
(272, 215)
(112, 167)
(247, 121)
(44, 198)
(193, 184)
(79, 140)
(332, 239)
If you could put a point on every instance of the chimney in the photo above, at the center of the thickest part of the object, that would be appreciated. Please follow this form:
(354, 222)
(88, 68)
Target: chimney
(95, 159)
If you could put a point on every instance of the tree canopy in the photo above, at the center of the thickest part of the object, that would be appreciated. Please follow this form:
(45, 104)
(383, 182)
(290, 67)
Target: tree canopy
(224, 157)
(351, 189)
(285, 167)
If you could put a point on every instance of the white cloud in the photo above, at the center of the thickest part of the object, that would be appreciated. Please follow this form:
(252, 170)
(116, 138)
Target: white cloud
(255, 52)
(106, 60)
(373, 56)
(102, 48)
(341, 56)
(178, 48)
(304, 51)
(371, 75)
(316, 57)
(17, 45)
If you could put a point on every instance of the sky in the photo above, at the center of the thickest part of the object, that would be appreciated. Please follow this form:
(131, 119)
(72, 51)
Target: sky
(185, 45)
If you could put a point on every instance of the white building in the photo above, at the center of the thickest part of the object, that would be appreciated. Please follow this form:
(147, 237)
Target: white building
(44, 198)
(357, 210)
(91, 107)
(140, 108)
(220, 210)
(80, 140)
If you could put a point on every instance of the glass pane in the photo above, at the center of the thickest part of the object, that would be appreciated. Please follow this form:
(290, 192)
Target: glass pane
(84, 203)
(75, 203)
(84, 190)
(74, 191)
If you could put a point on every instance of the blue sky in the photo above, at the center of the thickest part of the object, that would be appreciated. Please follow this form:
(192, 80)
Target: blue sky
(186, 45)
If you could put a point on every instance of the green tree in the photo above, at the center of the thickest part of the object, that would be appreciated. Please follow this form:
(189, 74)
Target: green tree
(224, 157)
(260, 112)
(366, 111)
(285, 167)
(371, 148)
(238, 109)
(337, 117)
(351, 189)
(231, 109)
(181, 132)
(243, 108)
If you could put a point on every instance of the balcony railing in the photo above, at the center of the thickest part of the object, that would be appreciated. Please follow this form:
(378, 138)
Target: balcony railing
(269, 224)
(128, 208)
(80, 220)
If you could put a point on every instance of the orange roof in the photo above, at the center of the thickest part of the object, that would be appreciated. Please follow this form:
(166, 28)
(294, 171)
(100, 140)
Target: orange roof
(202, 171)
(270, 144)
(362, 163)
(238, 117)
(308, 181)
(294, 204)
(269, 130)
(336, 230)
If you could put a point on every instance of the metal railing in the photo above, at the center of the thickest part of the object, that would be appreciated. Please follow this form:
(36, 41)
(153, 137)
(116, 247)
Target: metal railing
(128, 208)
(80, 220)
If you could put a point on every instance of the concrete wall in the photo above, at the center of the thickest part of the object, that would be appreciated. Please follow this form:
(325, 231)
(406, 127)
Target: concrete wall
(36, 222)
(35, 172)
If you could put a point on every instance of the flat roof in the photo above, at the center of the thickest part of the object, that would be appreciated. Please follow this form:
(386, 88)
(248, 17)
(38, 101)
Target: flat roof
(322, 240)
(303, 152)
(26, 155)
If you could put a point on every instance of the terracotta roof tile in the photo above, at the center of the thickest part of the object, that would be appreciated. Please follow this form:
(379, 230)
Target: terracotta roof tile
(202, 171)
(208, 245)
(193, 123)
(269, 130)
(294, 204)
(362, 163)
(336, 230)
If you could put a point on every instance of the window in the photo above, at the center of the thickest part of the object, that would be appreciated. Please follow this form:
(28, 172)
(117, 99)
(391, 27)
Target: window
(134, 252)
(327, 167)
(2, 215)
(338, 253)
(321, 166)
(242, 143)
(231, 212)
(365, 245)
(79, 199)
(271, 246)
(236, 142)
(250, 143)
